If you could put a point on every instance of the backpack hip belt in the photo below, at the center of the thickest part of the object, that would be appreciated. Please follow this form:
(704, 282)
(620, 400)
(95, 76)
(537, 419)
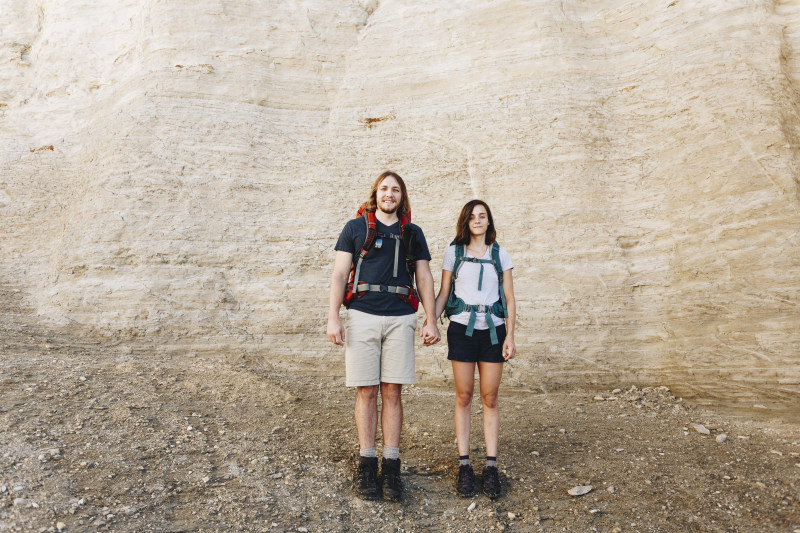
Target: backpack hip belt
(363, 286)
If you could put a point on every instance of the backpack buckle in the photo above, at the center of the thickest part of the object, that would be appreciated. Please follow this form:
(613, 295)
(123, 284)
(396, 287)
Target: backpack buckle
(384, 288)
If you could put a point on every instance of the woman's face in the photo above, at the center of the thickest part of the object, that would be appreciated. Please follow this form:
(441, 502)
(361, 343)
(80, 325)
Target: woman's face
(478, 221)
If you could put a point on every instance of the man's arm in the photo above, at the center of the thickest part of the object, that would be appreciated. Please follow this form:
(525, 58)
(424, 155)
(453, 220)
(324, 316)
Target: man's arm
(430, 333)
(341, 271)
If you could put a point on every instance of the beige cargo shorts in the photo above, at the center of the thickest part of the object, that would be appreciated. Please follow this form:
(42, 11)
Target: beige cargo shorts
(379, 349)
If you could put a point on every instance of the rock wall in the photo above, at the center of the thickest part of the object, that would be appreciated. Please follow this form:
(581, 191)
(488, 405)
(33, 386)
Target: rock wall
(174, 174)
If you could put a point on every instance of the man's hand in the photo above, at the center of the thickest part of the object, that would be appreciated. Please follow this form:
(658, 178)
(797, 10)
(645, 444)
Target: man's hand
(335, 331)
(429, 334)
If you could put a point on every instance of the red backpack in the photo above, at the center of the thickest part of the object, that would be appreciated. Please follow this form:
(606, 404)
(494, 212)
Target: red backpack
(356, 288)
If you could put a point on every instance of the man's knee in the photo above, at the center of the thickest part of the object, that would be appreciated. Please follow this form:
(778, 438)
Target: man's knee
(391, 392)
(368, 393)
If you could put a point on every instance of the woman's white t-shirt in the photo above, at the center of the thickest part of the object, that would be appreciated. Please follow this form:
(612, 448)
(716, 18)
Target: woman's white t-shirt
(467, 284)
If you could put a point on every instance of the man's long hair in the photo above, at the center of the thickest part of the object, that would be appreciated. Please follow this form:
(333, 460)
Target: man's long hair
(462, 226)
(405, 204)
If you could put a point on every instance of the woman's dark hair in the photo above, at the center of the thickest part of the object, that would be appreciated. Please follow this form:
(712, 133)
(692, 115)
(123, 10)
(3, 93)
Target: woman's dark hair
(462, 226)
(405, 204)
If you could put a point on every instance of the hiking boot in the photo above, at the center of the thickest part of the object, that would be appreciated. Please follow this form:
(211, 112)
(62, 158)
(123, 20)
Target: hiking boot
(465, 484)
(392, 484)
(491, 482)
(365, 480)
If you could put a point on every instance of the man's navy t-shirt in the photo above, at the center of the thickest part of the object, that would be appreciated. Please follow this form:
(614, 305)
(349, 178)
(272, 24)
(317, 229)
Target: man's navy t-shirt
(378, 266)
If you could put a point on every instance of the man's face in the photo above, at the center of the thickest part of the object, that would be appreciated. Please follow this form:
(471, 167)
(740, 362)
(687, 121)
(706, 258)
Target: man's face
(388, 195)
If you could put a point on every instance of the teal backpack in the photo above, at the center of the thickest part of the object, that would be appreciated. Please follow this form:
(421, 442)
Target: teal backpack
(456, 305)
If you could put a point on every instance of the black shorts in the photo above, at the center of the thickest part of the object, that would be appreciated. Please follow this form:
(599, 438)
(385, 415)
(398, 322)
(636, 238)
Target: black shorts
(479, 347)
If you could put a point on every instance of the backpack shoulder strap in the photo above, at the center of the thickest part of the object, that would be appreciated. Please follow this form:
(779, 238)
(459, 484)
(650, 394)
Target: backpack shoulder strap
(460, 252)
(499, 268)
(496, 261)
(372, 232)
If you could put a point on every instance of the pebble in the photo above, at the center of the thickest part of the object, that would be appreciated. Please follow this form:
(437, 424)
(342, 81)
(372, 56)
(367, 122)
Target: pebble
(3, 489)
(611, 490)
(776, 452)
(700, 428)
(82, 378)
(511, 515)
(616, 391)
(580, 490)
(722, 437)
(471, 506)
(19, 488)
(302, 529)
(598, 398)
(61, 526)
(19, 502)
(206, 479)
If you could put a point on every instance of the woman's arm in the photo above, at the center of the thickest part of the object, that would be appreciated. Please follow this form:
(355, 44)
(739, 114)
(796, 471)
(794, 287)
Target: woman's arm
(509, 347)
(444, 292)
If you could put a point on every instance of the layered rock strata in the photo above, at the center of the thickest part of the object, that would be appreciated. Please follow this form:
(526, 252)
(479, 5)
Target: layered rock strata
(177, 173)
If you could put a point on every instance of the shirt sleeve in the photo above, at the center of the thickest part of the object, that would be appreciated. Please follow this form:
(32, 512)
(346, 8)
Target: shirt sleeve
(424, 254)
(450, 258)
(505, 260)
(346, 241)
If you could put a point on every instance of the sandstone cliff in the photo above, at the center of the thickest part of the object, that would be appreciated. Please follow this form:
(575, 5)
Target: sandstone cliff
(176, 173)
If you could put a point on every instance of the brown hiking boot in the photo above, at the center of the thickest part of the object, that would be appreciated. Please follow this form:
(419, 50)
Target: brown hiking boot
(365, 479)
(392, 484)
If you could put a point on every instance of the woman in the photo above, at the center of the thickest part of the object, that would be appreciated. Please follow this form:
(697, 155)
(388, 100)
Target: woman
(477, 293)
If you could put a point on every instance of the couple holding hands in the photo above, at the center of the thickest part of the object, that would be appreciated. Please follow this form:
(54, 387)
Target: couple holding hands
(378, 256)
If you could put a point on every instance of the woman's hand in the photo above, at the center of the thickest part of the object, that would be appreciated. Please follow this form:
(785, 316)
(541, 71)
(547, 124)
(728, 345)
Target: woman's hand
(509, 348)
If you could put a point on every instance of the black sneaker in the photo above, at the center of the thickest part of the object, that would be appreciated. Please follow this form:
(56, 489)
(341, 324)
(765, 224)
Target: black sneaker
(465, 484)
(491, 482)
(392, 484)
(365, 480)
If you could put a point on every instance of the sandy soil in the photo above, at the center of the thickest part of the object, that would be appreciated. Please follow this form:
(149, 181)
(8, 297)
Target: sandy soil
(96, 437)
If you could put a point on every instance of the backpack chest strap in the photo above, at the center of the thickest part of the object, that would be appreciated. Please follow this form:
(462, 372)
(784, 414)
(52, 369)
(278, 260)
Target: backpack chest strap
(482, 262)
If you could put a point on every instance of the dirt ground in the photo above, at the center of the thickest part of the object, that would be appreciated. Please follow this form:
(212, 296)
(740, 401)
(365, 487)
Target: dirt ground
(113, 438)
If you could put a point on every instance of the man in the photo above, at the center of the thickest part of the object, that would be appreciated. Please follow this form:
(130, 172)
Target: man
(377, 289)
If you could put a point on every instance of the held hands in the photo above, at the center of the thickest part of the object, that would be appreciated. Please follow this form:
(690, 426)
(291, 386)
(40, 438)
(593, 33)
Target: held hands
(429, 334)
(335, 331)
(509, 349)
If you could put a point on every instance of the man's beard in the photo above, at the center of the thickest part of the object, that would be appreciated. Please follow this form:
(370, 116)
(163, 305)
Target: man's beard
(389, 212)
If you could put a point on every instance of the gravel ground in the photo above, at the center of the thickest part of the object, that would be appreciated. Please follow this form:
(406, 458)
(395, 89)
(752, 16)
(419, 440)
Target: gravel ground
(97, 437)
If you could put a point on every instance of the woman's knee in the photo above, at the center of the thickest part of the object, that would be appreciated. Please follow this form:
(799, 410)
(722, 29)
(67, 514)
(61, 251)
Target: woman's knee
(463, 398)
(489, 399)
